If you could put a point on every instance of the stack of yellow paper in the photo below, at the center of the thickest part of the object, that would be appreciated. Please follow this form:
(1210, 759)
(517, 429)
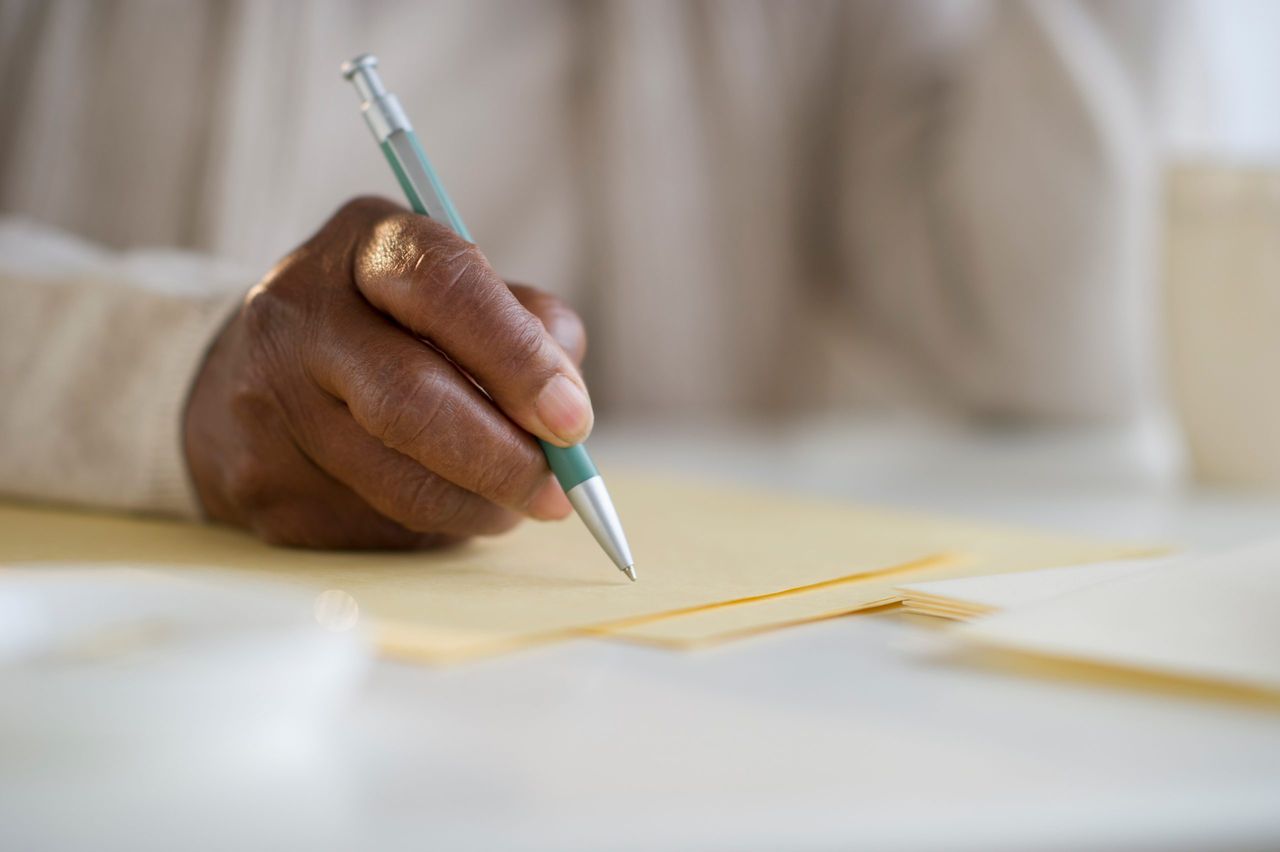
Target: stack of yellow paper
(970, 549)
(714, 563)
(969, 597)
(1207, 618)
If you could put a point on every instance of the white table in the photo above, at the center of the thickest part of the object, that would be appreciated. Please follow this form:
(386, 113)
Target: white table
(855, 732)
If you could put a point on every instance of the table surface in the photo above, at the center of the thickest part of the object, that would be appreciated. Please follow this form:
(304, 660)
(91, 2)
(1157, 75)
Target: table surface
(864, 730)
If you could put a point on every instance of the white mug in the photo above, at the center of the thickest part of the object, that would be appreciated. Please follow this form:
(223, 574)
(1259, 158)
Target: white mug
(1222, 280)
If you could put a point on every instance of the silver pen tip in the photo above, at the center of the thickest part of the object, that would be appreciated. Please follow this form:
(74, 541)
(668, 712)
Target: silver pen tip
(630, 571)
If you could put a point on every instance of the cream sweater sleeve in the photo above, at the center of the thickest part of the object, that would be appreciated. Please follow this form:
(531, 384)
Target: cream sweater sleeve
(97, 352)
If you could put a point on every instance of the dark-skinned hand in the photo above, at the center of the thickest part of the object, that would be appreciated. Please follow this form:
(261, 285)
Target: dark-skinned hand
(341, 406)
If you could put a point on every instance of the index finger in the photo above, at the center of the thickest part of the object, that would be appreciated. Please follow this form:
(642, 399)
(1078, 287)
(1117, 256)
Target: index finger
(442, 288)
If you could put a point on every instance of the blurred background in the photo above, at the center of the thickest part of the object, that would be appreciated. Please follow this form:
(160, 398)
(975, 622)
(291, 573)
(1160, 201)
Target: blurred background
(1060, 214)
(1018, 261)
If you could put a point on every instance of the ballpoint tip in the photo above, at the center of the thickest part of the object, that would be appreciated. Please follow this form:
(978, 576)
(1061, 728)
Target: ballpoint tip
(630, 571)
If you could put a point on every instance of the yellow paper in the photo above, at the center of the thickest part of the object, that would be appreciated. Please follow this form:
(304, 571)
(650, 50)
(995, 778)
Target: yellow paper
(714, 563)
(1211, 618)
(695, 547)
(976, 549)
(969, 597)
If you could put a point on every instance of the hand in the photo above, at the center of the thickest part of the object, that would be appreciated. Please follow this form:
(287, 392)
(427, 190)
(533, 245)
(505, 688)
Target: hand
(338, 407)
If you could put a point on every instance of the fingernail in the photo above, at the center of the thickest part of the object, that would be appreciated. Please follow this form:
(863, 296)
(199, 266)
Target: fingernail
(550, 504)
(564, 409)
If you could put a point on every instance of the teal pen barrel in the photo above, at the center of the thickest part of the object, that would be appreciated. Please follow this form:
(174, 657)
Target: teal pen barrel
(416, 201)
(571, 465)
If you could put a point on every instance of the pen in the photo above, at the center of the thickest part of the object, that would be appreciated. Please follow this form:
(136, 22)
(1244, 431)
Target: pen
(572, 466)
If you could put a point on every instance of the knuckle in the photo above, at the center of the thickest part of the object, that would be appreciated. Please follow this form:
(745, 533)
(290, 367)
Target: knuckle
(524, 348)
(404, 406)
(559, 319)
(251, 397)
(266, 307)
(511, 482)
(454, 272)
(275, 315)
(397, 231)
(402, 243)
(432, 505)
